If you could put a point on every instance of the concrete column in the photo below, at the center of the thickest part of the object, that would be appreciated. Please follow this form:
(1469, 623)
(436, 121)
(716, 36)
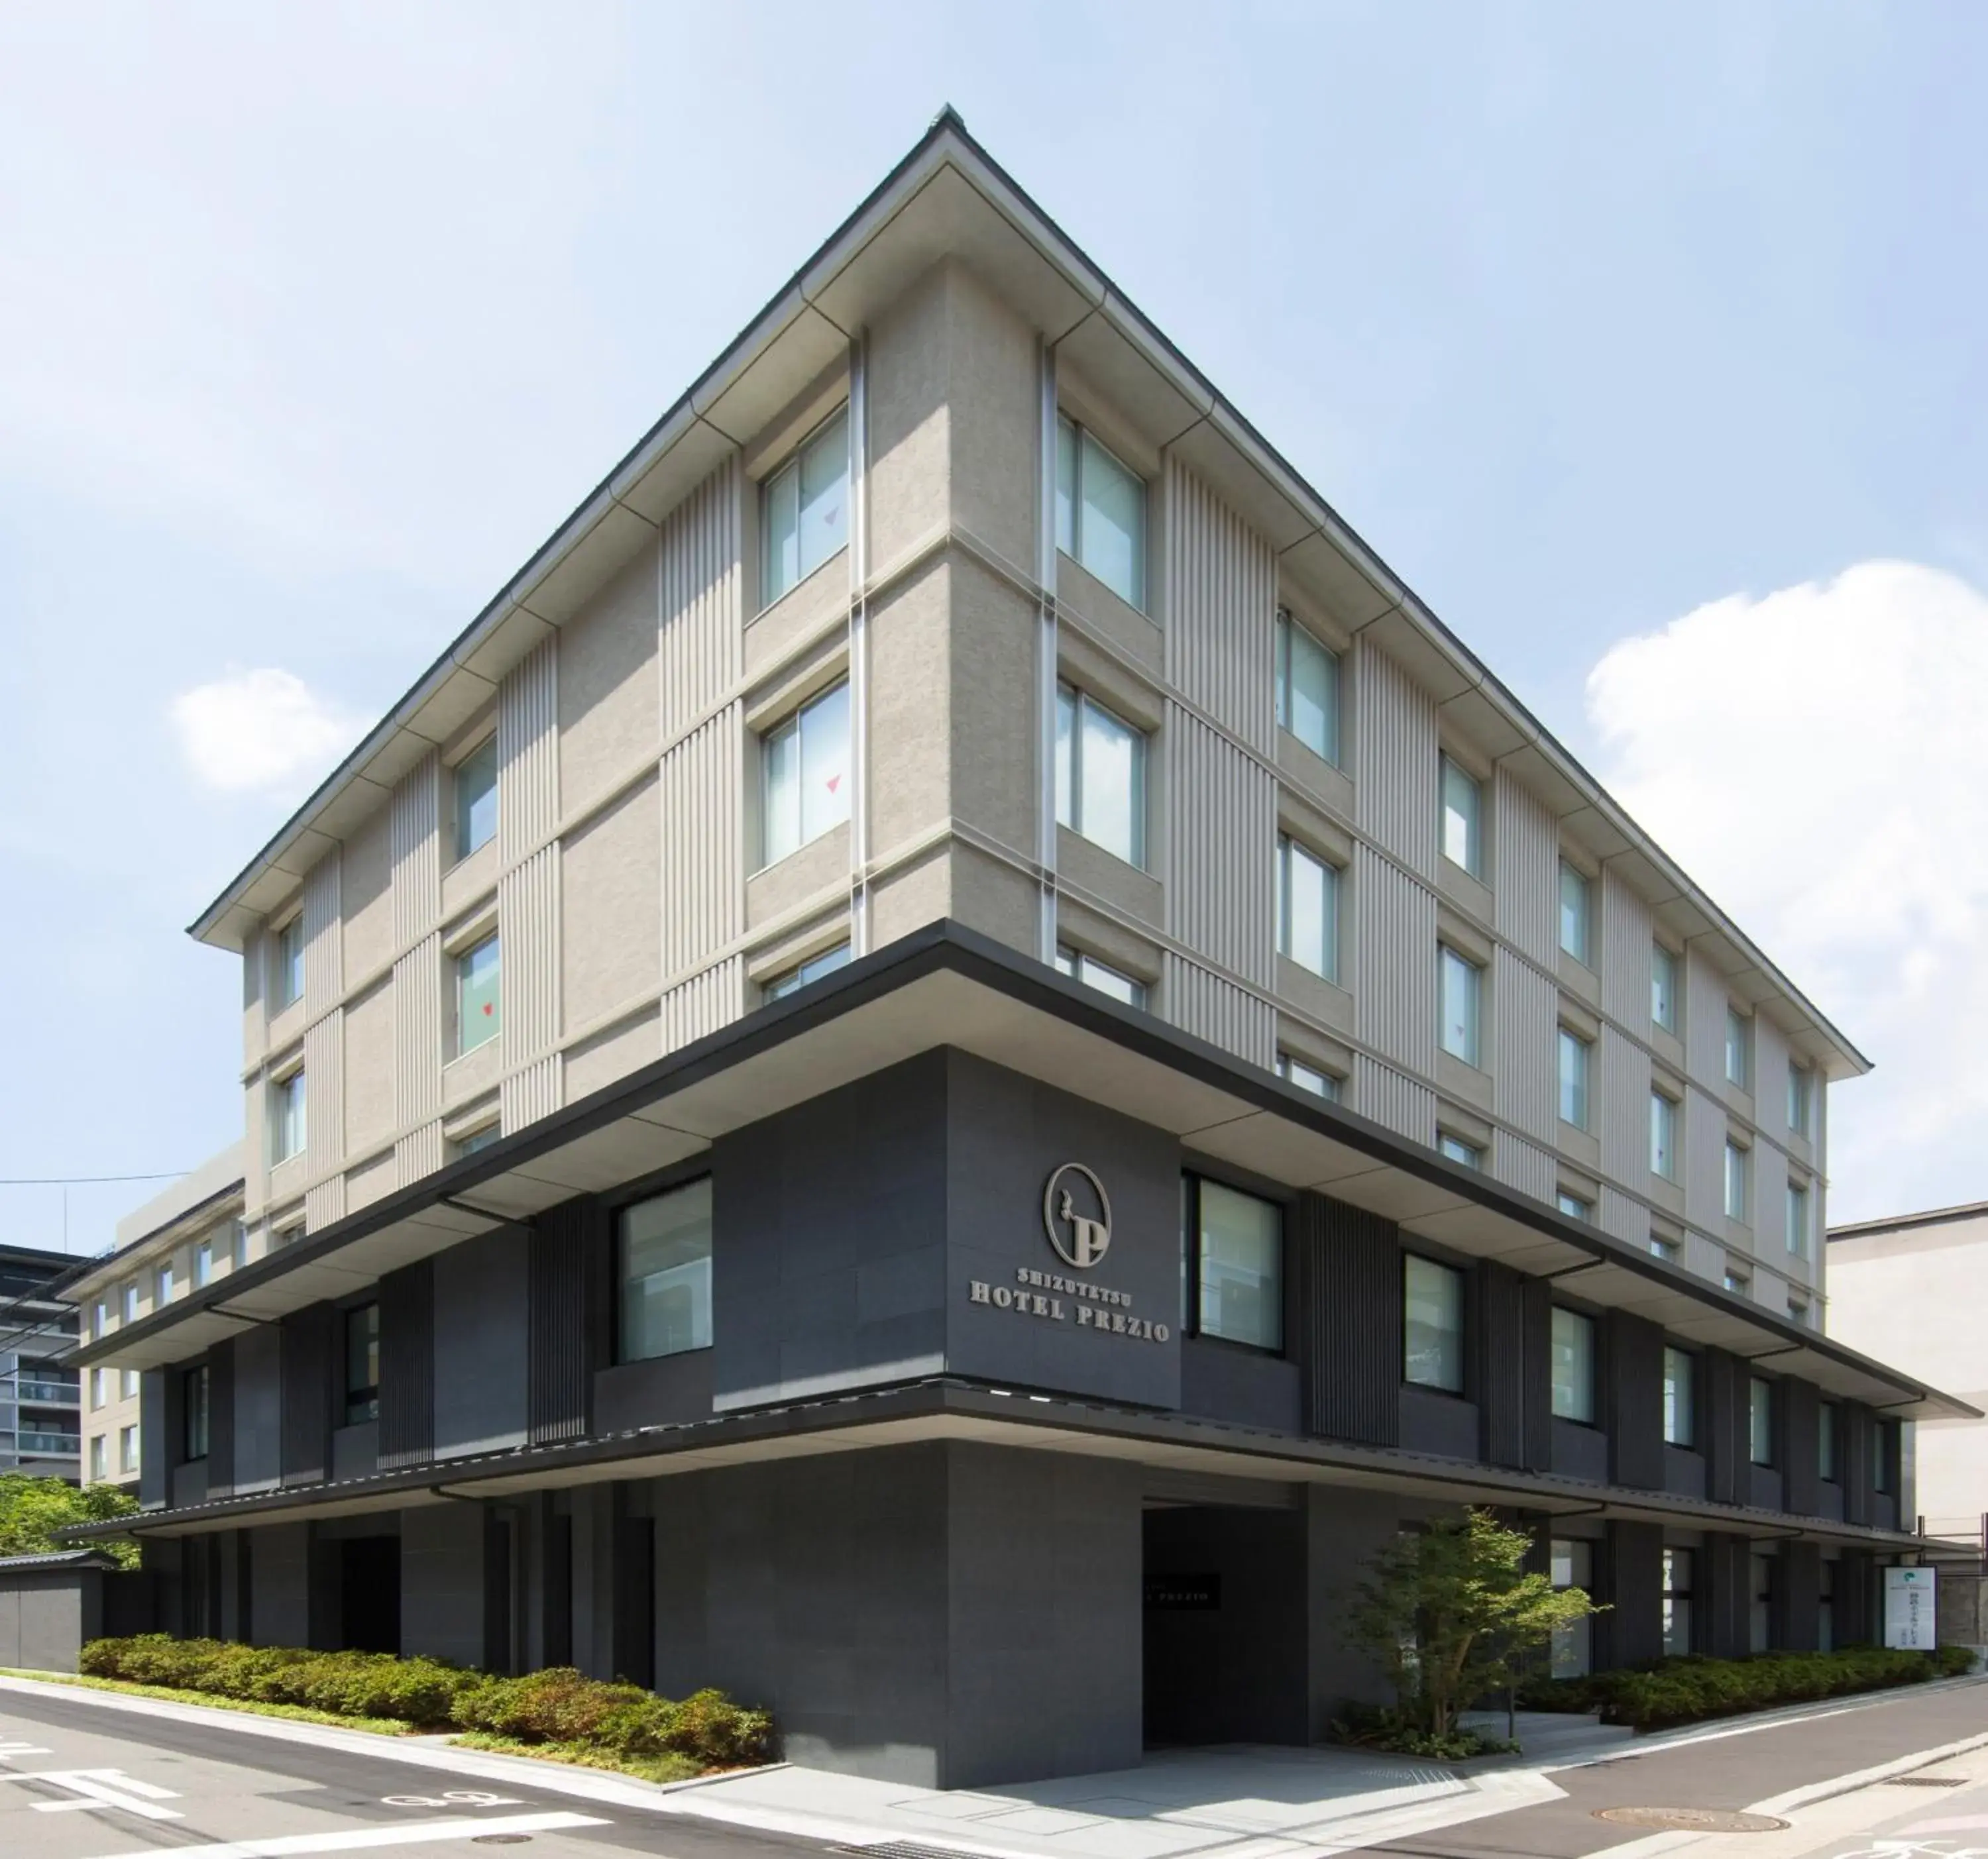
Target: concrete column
(442, 1599)
(1344, 1529)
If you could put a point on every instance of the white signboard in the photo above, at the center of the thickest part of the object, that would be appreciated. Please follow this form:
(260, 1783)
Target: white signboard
(1909, 1610)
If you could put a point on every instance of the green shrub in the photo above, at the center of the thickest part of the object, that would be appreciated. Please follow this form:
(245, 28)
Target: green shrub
(556, 1705)
(1380, 1727)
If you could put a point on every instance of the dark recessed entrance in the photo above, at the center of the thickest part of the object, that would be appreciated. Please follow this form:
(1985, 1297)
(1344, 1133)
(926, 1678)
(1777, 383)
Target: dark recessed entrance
(1225, 1625)
(368, 1593)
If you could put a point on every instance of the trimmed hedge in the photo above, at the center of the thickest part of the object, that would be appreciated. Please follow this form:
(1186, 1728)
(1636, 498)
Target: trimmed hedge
(1687, 1690)
(557, 1707)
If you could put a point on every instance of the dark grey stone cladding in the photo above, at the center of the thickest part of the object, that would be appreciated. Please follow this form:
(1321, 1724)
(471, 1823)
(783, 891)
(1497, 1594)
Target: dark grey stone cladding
(407, 1366)
(1348, 1264)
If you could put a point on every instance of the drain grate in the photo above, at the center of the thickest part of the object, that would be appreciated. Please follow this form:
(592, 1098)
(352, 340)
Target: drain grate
(906, 1849)
(1693, 1819)
(1925, 1781)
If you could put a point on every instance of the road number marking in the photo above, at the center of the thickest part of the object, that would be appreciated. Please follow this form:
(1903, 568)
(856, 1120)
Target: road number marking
(101, 1788)
(358, 1839)
(451, 1797)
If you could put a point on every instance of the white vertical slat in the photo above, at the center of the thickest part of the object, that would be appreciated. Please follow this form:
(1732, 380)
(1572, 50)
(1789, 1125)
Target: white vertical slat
(1395, 756)
(1398, 1102)
(324, 940)
(1525, 1015)
(1627, 936)
(1623, 1216)
(1219, 871)
(704, 1003)
(1704, 1161)
(1393, 960)
(1216, 1010)
(414, 832)
(1525, 846)
(1704, 1021)
(1622, 1109)
(701, 653)
(1523, 1165)
(324, 1117)
(528, 885)
(1220, 604)
(703, 833)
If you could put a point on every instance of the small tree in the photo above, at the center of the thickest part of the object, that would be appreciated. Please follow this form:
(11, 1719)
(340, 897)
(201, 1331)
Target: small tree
(32, 1509)
(1449, 1610)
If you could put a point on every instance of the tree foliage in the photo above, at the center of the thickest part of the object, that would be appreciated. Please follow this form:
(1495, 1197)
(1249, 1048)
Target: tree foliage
(1451, 1609)
(32, 1509)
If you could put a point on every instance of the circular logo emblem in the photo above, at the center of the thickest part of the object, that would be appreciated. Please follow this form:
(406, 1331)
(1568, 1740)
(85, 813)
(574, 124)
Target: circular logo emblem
(1077, 1215)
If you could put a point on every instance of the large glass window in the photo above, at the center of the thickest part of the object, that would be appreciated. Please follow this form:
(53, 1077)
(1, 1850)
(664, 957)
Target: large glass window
(1462, 819)
(1680, 1397)
(804, 508)
(805, 774)
(1307, 909)
(193, 1412)
(1095, 974)
(1100, 513)
(1828, 1418)
(362, 1365)
(1678, 1573)
(1308, 689)
(1739, 1048)
(479, 996)
(664, 1246)
(802, 973)
(1454, 1148)
(288, 977)
(1100, 776)
(1889, 1449)
(1576, 927)
(1432, 1324)
(1308, 1077)
(1573, 1365)
(1801, 1084)
(1575, 1053)
(1760, 1614)
(1663, 1137)
(287, 1121)
(1572, 1562)
(1798, 1219)
(476, 798)
(1663, 988)
(127, 1449)
(1760, 1420)
(1736, 1159)
(1238, 1264)
(1462, 991)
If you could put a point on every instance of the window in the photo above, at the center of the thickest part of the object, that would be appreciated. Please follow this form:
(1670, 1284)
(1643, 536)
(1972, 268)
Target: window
(1574, 1053)
(237, 1244)
(1739, 1048)
(1828, 1419)
(1737, 1283)
(1100, 513)
(1663, 988)
(1889, 1446)
(1574, 1207)
(1462, 986)
(1307, 909)
(1572, 1563)
(130, 1383)
(127, 1294)
(362, 1365)
(802, 973)
(1308, 1077)
(664, 1248)
(99, 1383)
(1573, 1365)
(287, 1120)
(162, 1286)
(475, 780)
(804, 508)
(1760, 1614)
(100, 1318)
(1432, 1324)
(1825, 1608)
(1455, 1149)
(1760, 1420)
(1462, 819)
(1677, 1580)
(1308, 689)
(471, 1141)
(1574, 910)
(1801, 1084)
(1663, 1137)
(127, 1449)
(98, 1456)
(1100, 776)
(192, 1413)
(1680, 1397)
(1095, 974)
(1736, 1181)
(1798, 1311)
(1666, 1248)
(203, 1263)
(1798, 1219)
(805, 776)
(1238, 1269)
(479, 995)
(288, 981)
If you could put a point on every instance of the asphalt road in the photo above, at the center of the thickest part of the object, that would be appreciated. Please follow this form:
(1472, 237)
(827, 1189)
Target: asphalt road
(79, 1782)
(1731, 1770)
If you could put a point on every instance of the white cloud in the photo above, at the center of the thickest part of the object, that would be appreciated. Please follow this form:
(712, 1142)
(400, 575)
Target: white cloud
(1817, 759)
(262, 729)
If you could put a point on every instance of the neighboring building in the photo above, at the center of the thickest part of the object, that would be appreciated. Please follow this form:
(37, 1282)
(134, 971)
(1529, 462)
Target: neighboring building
(38, 1389)
(1912, 1290)
(956, 1055)
(180, 1242)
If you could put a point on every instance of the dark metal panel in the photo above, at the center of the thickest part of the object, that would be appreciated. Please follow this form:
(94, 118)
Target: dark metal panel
(154, 1440)
(407, 1367)
(563, 1273)
(220, 1419)
(1857, 1455)
(1633, 1357)
(1723, 1385)
(1498, 1356)
(307, 1360)
(1853, 1601)
(1536, 1366)
(1724, 1576)
(1800, 1479)
(1351, 1334)
(1632, 1630)
(1800, 1596)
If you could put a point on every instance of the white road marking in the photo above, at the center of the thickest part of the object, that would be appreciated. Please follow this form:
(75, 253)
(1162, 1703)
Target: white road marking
(100, 1788)
(356, 1839)
(9, 1750)
(452, 1797)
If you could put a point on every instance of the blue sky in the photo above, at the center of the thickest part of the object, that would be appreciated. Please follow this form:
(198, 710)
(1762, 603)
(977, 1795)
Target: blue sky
(1639, 338)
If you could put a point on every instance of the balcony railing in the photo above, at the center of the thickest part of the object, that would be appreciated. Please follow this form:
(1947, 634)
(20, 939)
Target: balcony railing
(49, 1445)
(60, 1394)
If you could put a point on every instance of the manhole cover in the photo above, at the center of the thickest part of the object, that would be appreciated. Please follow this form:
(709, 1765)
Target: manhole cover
(500, 1839)
(1693, 1819)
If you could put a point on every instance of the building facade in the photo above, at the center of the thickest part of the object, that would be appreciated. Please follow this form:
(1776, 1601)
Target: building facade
(956, 1019)
(38, 1393)
(1910, 1288)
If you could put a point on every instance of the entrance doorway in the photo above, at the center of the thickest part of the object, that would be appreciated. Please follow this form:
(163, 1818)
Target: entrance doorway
(1225, 1625)
(368, 1593)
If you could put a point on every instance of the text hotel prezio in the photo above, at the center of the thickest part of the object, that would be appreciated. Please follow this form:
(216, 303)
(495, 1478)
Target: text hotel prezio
(1106, 1312)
